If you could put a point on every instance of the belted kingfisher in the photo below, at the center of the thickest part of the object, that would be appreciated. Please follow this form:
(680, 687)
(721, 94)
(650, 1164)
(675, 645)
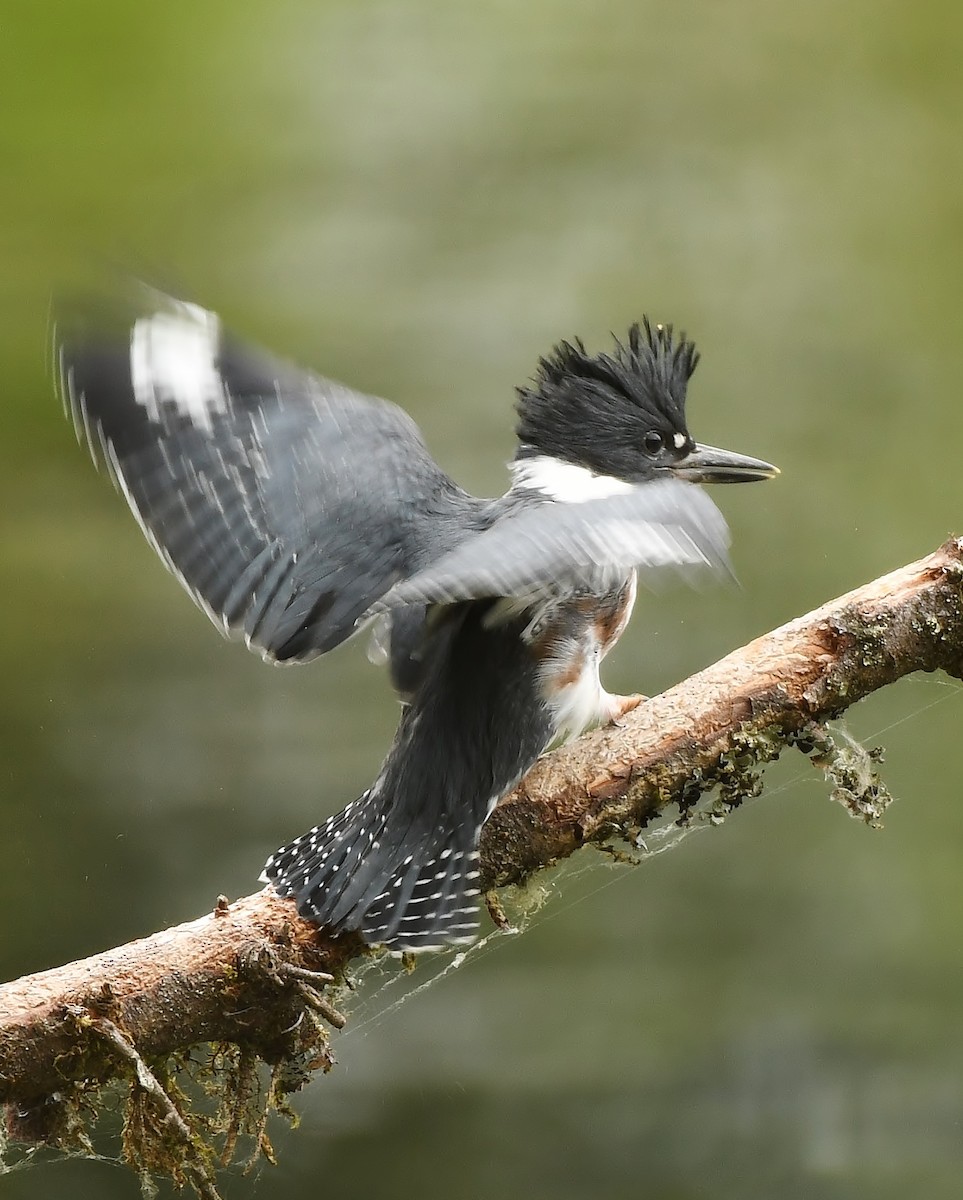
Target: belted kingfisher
(295, 511)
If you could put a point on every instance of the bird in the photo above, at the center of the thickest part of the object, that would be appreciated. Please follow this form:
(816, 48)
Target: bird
(297, 511)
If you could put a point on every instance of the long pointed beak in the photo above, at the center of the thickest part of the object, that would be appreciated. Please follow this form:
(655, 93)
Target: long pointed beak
(708, 464)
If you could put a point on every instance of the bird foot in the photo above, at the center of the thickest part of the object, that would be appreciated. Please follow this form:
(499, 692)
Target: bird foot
(614, 707)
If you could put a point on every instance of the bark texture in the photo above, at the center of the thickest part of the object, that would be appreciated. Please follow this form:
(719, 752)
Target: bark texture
(252, 974)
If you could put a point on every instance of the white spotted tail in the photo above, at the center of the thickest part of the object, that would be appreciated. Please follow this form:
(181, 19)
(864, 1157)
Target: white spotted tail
(401, 864)
(348, 873)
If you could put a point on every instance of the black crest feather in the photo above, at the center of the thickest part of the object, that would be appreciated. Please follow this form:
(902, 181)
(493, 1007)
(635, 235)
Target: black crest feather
(592, 408)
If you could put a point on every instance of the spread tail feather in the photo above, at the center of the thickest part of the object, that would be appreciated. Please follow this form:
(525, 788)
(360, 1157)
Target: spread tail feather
(344, 878)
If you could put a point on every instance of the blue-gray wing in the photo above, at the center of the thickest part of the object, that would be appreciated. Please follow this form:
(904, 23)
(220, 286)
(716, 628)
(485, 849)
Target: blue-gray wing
(286, 504)
(548, 549)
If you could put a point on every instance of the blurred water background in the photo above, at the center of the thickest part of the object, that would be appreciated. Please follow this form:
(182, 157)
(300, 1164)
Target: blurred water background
(420, 198)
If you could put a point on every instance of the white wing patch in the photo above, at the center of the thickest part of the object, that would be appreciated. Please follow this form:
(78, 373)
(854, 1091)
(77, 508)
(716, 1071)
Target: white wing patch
(173, 360)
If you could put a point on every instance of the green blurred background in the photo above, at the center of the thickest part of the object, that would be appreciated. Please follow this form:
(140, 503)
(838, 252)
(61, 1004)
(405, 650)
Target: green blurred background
(419, 198)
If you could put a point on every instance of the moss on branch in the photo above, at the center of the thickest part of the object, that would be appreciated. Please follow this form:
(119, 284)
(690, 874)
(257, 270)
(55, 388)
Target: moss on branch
(211, 1025)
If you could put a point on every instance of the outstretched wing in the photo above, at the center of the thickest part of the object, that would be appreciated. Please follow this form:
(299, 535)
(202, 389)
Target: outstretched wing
(548, 549)
(286, 504)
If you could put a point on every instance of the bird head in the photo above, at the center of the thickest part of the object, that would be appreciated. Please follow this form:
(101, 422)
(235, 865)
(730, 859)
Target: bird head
(589, 423)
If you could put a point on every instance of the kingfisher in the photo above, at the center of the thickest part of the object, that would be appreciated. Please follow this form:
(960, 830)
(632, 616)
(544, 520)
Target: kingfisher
(296, 511)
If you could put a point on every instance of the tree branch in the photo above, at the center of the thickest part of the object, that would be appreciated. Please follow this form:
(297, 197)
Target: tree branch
(252, 974)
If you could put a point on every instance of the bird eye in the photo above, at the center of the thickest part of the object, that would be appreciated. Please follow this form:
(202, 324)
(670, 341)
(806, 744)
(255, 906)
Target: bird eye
(653, 442)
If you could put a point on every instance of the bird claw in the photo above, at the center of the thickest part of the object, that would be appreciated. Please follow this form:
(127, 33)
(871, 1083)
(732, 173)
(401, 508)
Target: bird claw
(616, 707)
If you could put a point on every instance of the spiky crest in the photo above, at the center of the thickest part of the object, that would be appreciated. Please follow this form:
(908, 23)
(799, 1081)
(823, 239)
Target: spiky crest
(595, 410)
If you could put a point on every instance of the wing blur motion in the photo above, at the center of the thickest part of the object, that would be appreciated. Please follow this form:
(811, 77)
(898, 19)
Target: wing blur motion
(550, 548)
(293, 509)
(281, 500)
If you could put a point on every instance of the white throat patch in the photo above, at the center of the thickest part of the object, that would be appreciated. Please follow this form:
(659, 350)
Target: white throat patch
(564, 481)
